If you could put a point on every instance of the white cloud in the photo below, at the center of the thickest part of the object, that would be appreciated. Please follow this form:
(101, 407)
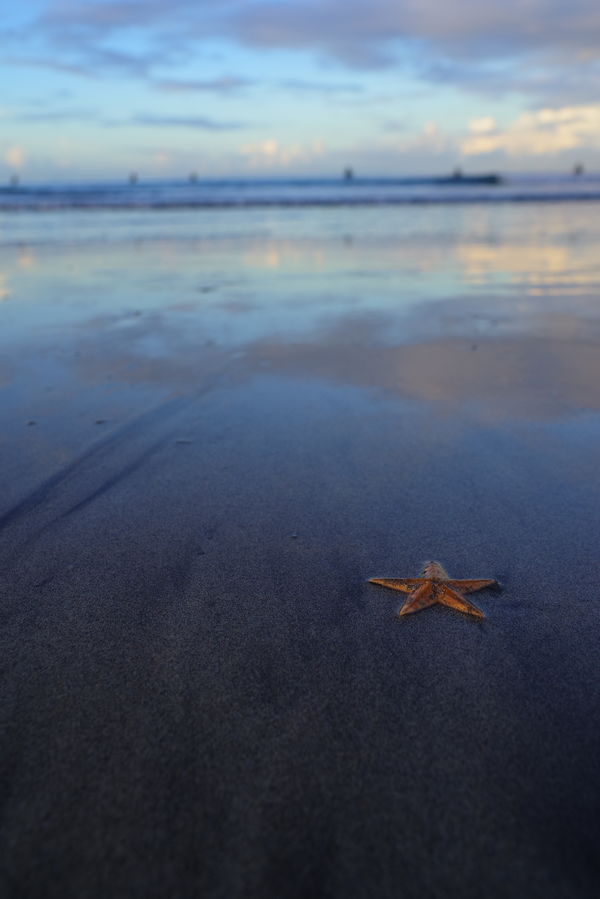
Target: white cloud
(544, 132)
(271, 153)
(484, 125)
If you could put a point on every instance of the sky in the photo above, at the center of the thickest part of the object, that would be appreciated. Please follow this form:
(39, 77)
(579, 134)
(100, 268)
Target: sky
(99, 88)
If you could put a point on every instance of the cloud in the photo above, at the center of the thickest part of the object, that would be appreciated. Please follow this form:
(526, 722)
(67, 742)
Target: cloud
(483, 125)
(271, 153)
(42, 62)
(85, 37)
(96, 19)
(378, 33)
(542, 79)
(357, 33)
(350, 30)
(108, 58)
(544, 132)
(173, 121)
(225, 84)
(320, 87)
(15, 157)
(58, 115)
(553, 46)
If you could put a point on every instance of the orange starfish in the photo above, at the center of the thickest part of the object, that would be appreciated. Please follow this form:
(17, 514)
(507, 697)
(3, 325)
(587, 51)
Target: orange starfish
(435, 586)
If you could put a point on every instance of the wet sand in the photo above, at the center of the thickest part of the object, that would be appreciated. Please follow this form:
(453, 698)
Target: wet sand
(201, 693)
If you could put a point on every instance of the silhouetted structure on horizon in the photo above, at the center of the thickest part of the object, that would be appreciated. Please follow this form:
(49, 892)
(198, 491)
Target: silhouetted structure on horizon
(457, 177)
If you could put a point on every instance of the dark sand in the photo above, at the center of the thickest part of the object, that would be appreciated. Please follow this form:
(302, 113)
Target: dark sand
(202, 696)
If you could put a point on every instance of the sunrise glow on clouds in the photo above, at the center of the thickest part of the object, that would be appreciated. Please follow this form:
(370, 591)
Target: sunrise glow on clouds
(98, 88)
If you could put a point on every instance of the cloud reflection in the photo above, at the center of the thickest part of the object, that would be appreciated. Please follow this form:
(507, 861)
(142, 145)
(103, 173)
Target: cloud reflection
(466, 316)
(493, 379)
(533, 266)
(4, 291)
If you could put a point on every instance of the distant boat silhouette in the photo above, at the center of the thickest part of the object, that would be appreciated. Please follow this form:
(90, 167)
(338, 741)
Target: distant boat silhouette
(578, 169)
(193, 178)
(348, 174)
(133, 178)
(457, 177)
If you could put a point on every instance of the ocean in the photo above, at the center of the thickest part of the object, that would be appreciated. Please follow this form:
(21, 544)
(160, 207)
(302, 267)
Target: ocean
(198, 193)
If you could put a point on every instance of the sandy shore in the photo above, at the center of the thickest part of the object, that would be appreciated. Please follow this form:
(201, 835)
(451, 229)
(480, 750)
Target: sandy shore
(201, 693)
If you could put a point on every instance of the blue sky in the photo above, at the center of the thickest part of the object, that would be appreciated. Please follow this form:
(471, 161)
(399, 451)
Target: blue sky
(97, 88)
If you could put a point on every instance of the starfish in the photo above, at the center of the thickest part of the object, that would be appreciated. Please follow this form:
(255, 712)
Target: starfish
(435, 585)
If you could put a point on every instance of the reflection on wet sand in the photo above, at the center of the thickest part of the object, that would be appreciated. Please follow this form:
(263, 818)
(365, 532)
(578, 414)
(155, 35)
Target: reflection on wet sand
(535, 256)
(522, 376)
(26, 258)
(497, 315)
(495, 379)
(536, 267)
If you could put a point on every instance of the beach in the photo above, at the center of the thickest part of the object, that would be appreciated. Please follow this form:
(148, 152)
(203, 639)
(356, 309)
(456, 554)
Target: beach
(215, 427)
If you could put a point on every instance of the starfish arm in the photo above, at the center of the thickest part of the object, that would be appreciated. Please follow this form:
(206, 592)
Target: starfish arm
(449, 597)
(404, 584)
(419, 599)
(473, 585)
